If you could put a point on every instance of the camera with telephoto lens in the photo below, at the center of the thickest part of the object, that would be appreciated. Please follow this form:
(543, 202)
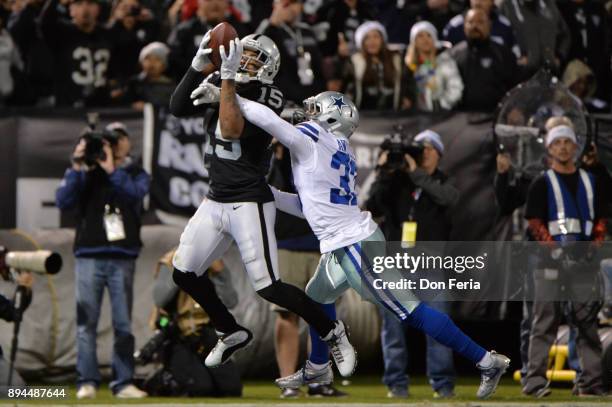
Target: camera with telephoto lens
(398, 144)
(37, 261)
(161, 337)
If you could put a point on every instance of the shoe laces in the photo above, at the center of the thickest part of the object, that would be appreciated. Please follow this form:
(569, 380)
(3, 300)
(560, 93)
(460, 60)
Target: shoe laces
(335, 349)
(337, 353)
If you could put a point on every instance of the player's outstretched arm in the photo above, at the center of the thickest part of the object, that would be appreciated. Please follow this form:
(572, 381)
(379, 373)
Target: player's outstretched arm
(266, 119)
(180, 101)
(287, 202)
(231, 121)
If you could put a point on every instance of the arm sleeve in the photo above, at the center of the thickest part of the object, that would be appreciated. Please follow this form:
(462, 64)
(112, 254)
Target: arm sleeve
(287, 202)
(134, 188)
(180, 102)
(69, 190)
(443, 194)
(265, 118)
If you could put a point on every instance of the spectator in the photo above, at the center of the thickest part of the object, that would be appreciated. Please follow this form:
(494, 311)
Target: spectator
(374, 81)
(82, 51)
(133, 26)
(416, 193)
(541, 33)
(7, 313)
(107, 194)
(36, 55)
(151, 85)
(340, 19)
(501, 30)
(488, 70)
(343, 17)
(583, 220)
(186, 36)
(301, 70)
(438, 84)
(10, 60)
(580, 80)
(588, 22)
(396, 16)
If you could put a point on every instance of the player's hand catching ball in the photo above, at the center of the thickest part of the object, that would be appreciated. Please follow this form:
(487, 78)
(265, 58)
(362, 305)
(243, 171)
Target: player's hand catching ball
(205, 93)
(230, 63)
(202, 56)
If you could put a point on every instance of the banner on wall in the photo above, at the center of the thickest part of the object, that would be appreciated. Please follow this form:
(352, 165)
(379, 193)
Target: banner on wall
(173, 153)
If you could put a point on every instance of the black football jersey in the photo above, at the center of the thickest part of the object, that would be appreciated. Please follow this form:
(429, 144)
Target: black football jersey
(238, 167)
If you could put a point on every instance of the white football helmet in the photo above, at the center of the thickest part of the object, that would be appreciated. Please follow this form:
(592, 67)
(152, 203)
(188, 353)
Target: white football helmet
(334, 111)
(267, 55)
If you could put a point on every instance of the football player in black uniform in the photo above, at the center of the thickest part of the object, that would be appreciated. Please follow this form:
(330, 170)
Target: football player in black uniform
(240, 206)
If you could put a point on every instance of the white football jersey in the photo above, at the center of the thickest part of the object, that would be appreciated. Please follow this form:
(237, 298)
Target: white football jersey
(324, 171)
(326, 188)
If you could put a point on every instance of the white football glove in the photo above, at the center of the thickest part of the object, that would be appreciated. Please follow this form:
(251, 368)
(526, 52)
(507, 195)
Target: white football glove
(230, 63)
(205, 93)
(202, 56)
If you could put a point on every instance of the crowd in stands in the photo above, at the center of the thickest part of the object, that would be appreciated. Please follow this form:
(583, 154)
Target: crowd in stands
(424, 55)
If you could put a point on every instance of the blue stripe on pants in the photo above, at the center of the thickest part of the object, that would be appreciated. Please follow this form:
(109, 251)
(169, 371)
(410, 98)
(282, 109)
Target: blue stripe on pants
(370, 287)
(365, 259)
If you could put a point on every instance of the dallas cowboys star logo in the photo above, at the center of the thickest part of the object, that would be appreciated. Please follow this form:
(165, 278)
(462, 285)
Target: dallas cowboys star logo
(338, 102)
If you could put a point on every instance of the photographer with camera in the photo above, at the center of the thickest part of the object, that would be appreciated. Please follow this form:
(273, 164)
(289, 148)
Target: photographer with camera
(413, 195)
(10, 313)
(182, 333)
(106, 188)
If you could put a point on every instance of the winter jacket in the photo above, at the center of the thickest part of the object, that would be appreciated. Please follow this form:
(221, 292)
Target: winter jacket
(438, 87)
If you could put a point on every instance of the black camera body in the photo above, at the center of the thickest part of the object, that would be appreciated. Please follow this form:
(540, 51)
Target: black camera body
(399, 144)
(94, 147)
(166, 330)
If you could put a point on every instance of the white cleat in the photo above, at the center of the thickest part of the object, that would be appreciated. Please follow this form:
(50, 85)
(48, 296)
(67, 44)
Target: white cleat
(86, 391)
(489, 378)
(306, 375)
(342, 351)
(227, 345)
(131, 392)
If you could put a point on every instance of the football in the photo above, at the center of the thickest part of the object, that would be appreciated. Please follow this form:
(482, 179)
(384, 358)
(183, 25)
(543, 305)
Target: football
(222, 34)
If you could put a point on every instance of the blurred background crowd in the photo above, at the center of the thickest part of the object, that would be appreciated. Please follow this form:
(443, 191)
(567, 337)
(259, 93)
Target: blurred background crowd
(424, 55)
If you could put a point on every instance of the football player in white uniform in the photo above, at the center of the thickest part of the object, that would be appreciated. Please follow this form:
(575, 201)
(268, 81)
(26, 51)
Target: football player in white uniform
(324, 172)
